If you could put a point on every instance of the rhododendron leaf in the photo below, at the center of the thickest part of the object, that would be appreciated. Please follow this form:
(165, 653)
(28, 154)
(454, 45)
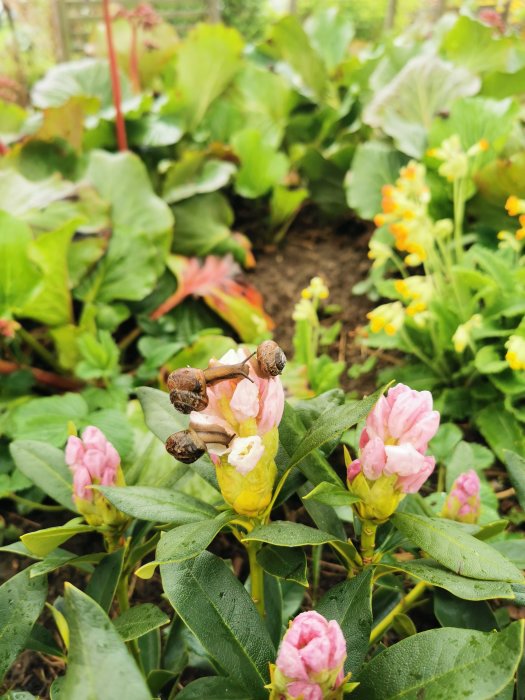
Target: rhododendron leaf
(140, 620)
(21, 601)
(467, 614)
(284, 562)
(350, 604)
(435, 574)
(516, 470)
(42, 542)
(455, 662)
(99, 665)
(213, 687)
(103, 583)
(214, 604)
(501, 430)
(331, 495)
(158, 505)
(450, 545)
(287, 534)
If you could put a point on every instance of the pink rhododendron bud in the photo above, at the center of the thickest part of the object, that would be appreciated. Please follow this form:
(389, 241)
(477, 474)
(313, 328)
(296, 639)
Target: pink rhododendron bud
(463, 502)
(392, 460)
(247, 412)
(310, 661)
(93, 460)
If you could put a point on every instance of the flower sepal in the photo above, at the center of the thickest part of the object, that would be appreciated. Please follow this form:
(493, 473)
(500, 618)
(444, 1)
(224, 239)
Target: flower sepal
(379, 499)
(99, 512)
(326, 680)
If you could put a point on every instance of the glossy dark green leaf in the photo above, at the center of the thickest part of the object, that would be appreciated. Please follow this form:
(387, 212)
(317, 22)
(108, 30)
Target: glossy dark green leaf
(42, 542)
(213, 688)
(444, 663)
(450, 545)
(218, 610)
(331, 495)
(350, 603)
(273, 608)
(513, 550)
(516, 470)
(21, 601)
(103, 584)
(158, 505)
(287, 534)
(466, 614)
(140, 620)
(149, 648)
(284, 562)
(99, 665)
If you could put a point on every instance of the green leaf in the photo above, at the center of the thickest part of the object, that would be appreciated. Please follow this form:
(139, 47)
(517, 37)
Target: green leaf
(45, 466)
(516, 470)
(330, 33)
(332, 424)
(203, 224)
(20, 196)
(209, 58)
(103, 583)
(440, 663)
(140, 620)
(513, 550)
(42, 542)
(406, 106)
(46, 420)
(350, 603)
(461, 44)
(330, 494)
(285, 563)
(287, 534)
(195, 175)
(213, 688)
(17, 272)
(99, 665)
(501, 430)
(375, 164)
(467, 588)
(262, 166)
(158, 505)
(21, 601)
(215, 606)
(451, 546)
(466, 614)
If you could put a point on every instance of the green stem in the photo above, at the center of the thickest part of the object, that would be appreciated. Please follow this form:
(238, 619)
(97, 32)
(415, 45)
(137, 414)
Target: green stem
(379, 630)
(459, 213)
(317, 553)
(256, 578)
(34, 504)
(368, 541)
(123, 604)
(37, 346)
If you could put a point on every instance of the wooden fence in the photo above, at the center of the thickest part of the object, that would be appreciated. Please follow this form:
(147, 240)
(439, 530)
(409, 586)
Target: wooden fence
(74, 19)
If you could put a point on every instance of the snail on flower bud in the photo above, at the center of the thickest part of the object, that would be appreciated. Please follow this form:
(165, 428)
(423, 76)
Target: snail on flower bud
(189, 445)
(271, 358)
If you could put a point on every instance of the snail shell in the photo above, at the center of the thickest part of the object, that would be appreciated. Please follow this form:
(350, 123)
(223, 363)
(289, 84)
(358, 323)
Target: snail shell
(187, 388)
(271, 358)
(186, 446)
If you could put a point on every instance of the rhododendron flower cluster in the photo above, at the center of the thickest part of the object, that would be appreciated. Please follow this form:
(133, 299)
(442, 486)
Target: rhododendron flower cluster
(93, 460)
(248, 411)
(310, 661)
(392, 460)
(463, 502)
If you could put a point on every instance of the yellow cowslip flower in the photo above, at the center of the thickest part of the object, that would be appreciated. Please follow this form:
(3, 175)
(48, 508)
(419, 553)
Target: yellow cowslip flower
(510, 240)
(317, 289)
(515, 206)
(387, 317)
(462, 335)
(379, 253)
(455, 160)
(515, 352)
(304, 311)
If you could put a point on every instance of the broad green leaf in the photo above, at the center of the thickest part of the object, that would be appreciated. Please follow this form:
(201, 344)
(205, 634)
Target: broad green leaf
(350, 603)
(158, 505)
(209, 58)
(501, 430)
(500, 84)
(262, 166)
(290, 42)
(20, 196)
(46, 419)
(202, 224)
(185, 542)
(213, 688)
(140, 620)
(330, 33)
(99, 665)
(375, 164)
(461, 45)
(42, 542)
(215, 606)
(466, 588)
(332, 424)
(451, 546)
(440, 663)
(513, 550)
(466, 614)
(195, 175)
(287, 534)
(17, 272)
(330, 494)
(103, 583)
(516, 470)
(46, 467)
(21, 601)
(406, 106)
(284, 563)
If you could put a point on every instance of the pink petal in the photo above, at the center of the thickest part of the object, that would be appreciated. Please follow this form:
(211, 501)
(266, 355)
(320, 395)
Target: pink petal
(412, 483)
(74, 450)
(272, 405)
(93, 437)
(306, 691)
(82, 479)
(245, 452)
(245, 400)
(290, 662)
(353, 470)
(404, 460)
(373, 458)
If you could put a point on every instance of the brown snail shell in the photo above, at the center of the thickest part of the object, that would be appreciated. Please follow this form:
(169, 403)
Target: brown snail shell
(187, 388)
(271, 358)
(186, 446)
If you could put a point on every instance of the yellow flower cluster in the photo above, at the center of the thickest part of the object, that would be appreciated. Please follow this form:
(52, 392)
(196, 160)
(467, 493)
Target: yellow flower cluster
(387, 317)
(463, 334)
(515, 352)
(317, 289)
(417, 290)
(455, 163)
(514, 207)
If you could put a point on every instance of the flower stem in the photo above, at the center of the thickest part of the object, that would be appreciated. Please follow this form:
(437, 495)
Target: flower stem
(379, 630)
(368, 541)
(115, 80)
(123, 604)
(256, 578)
(37, 346)
(34, 504)
(459, 213)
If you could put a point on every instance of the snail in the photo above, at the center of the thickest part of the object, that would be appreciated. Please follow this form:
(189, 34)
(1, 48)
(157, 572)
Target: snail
(187, 386)
(188, 445)
(271, 358)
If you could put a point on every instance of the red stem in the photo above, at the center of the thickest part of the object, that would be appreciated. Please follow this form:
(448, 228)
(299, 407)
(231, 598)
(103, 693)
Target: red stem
(115, 80)
(134, 73)
(43, 377)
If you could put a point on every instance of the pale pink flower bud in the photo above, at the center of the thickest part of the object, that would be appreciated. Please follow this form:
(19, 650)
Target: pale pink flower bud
(463, 502)
(93, 460)
(310, 660)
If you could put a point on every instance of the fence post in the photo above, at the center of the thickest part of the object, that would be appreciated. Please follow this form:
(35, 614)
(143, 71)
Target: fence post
(214, 13)
(59, 23)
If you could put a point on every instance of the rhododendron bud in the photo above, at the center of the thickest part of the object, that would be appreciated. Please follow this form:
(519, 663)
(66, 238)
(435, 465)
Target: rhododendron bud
(93, 460)
(310, 661)
(463, 502)
(392, 460)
